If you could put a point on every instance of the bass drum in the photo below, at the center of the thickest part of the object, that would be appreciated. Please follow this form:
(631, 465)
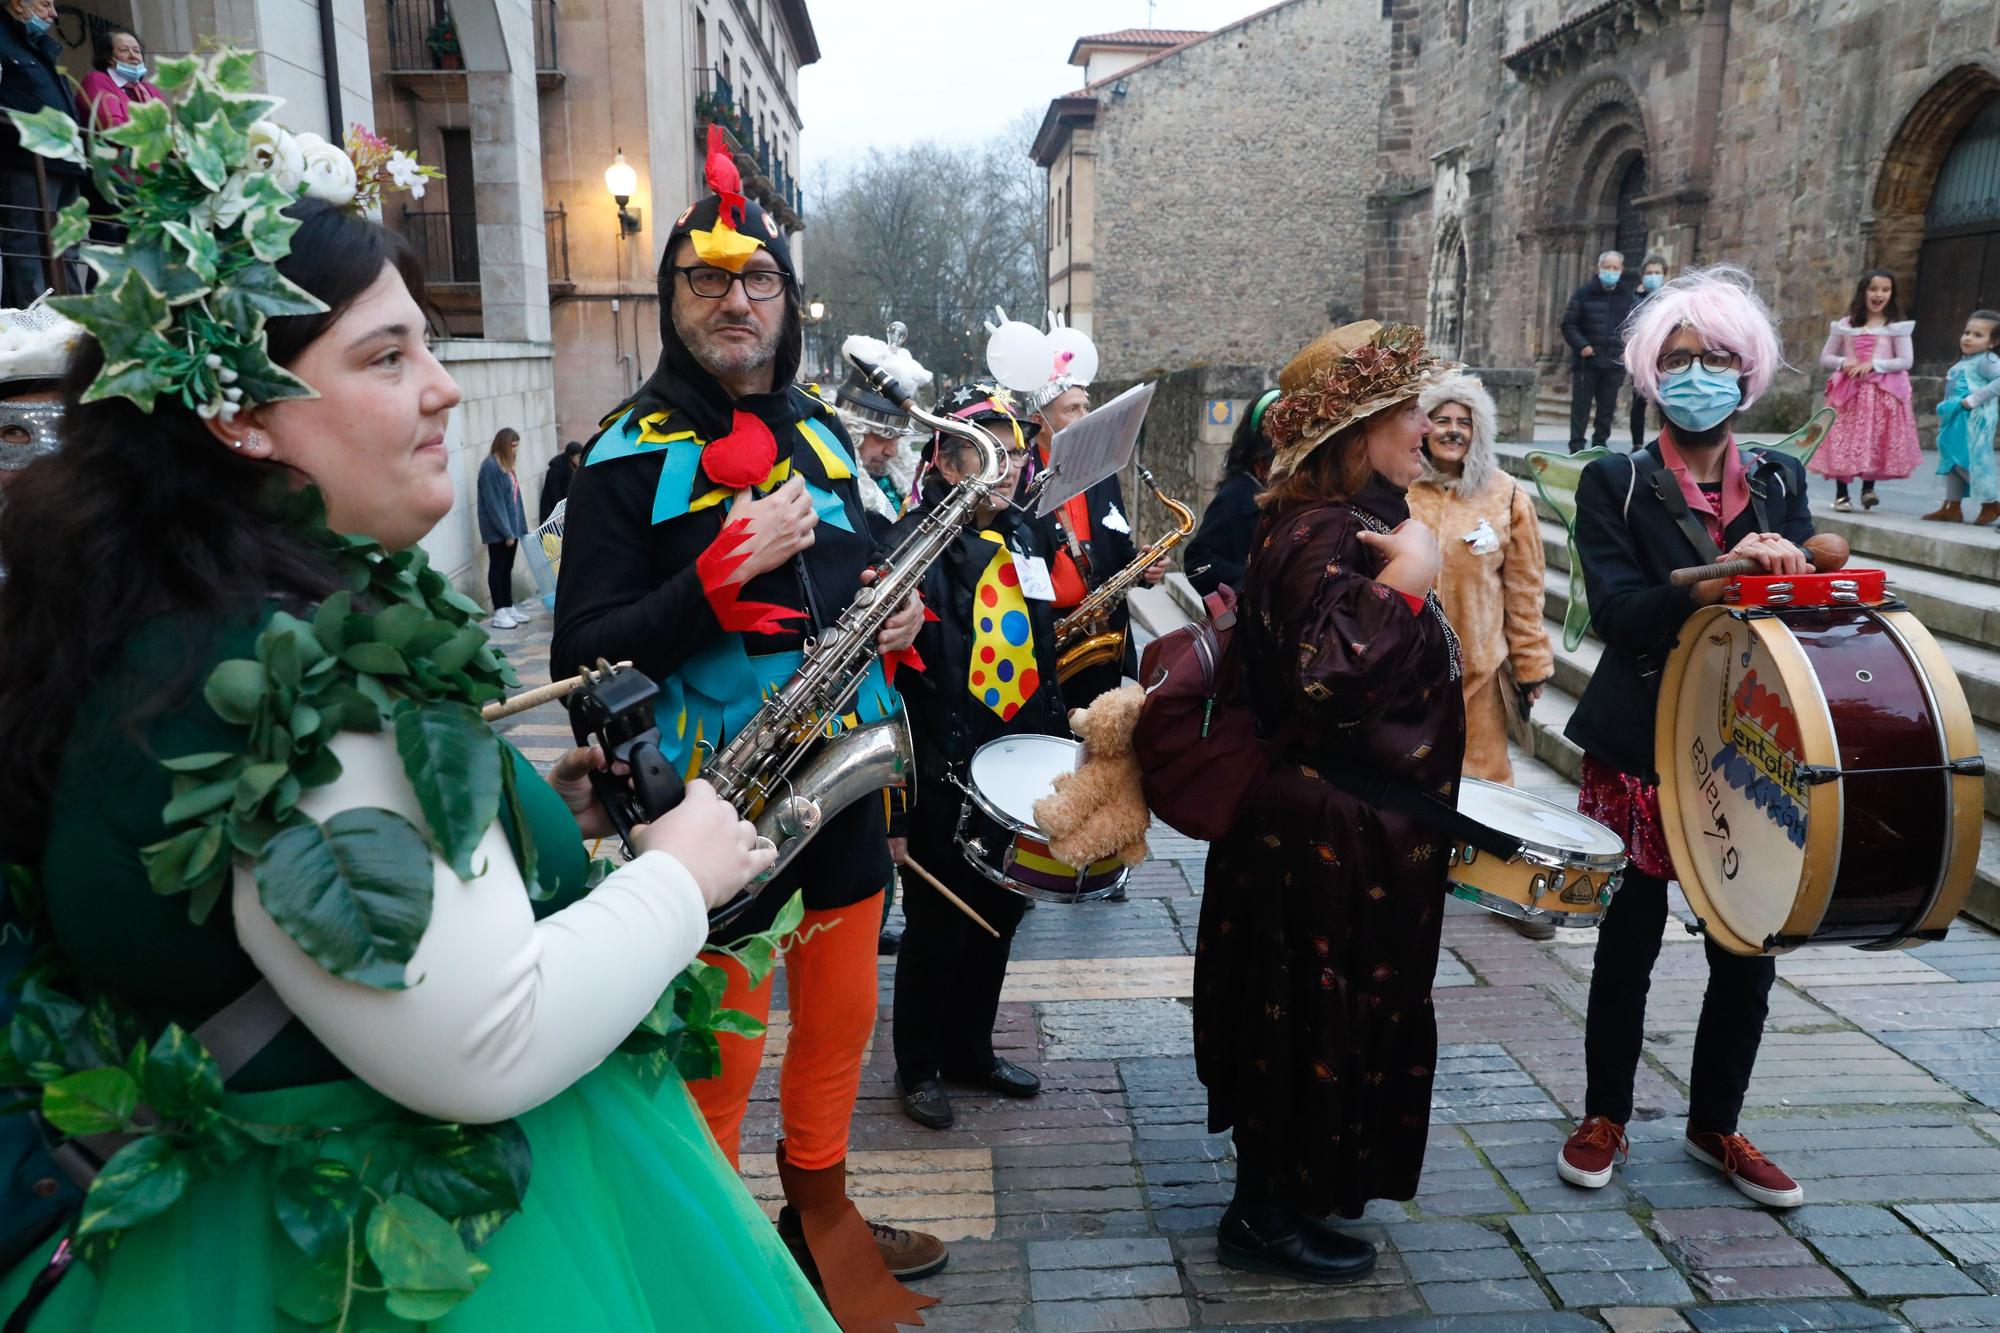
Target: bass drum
(1819, 777)
(996, 825)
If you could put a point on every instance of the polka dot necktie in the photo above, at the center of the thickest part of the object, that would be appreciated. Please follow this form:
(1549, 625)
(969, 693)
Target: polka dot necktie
(1003, 675)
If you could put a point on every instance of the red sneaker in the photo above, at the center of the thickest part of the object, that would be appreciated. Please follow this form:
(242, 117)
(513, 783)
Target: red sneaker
(1587, 1158)
(1751, 1172)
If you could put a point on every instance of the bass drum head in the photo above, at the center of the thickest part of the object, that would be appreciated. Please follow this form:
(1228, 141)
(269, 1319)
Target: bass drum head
(1540, 823)
(1755, 847)
(1014, 772)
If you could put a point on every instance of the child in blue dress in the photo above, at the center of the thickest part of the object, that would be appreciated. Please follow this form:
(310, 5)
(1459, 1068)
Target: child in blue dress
(1966, 420)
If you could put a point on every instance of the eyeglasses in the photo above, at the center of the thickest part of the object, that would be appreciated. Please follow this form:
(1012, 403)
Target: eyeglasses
(759, 284)
(1712, 358)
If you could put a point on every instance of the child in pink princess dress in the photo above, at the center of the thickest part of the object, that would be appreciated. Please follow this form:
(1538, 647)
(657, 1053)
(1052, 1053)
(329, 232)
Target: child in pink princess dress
(1868, 352)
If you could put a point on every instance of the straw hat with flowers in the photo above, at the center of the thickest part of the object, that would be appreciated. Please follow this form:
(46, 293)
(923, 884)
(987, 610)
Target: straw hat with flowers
(1343, 376)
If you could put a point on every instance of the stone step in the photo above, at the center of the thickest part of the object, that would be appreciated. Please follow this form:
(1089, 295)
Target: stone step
(1556, 751)
(1950, 607)
(1879, 539)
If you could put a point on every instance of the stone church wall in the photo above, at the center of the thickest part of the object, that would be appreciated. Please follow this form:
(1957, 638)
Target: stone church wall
(1232, 182)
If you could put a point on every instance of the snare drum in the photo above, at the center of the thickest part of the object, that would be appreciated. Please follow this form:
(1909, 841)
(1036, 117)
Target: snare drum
(1819, 775)
(1568, 868)
(996, 825)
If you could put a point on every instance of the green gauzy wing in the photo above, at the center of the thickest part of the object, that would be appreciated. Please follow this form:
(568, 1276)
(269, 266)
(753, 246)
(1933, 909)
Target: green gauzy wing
(1804, 442)
(1556, 476)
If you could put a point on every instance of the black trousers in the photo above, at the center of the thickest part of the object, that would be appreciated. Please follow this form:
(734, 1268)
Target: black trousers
(1638, 420)
(500, 572)
(1732, 1013)
(25, 276)
(949, 971)
(1592, 385)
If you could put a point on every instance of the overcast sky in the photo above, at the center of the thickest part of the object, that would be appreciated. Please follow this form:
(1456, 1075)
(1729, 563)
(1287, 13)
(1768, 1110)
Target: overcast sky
(892, 72)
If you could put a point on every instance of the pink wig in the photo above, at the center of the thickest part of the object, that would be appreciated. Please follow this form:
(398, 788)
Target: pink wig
(1720, 304)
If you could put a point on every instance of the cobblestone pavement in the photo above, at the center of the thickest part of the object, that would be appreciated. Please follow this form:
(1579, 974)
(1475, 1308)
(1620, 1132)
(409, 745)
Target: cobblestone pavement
(1092, 1206)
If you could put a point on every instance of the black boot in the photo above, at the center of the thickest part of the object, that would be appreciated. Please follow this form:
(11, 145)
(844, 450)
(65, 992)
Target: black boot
(1272, 1238)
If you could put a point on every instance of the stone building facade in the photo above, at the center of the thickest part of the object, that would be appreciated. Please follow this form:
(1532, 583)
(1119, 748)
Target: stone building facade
(1218, 192)
(1806, 140)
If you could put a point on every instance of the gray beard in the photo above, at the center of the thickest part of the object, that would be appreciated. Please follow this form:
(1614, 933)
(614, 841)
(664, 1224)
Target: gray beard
(719, 358)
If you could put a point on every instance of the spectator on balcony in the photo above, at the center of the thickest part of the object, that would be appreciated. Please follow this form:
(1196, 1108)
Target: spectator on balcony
(116, 80)
(31, 79)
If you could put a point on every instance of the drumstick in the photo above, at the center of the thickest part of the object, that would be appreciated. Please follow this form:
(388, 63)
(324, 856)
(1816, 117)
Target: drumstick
(534, 698)
(1826, 550)
(950, 897)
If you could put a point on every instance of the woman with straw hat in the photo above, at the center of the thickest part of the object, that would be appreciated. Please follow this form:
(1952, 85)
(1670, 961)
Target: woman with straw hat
(1320, 922)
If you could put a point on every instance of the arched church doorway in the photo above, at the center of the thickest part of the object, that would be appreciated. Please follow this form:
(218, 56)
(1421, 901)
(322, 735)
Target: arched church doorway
(1628, 219)
(1594, 186)
(1446, 333)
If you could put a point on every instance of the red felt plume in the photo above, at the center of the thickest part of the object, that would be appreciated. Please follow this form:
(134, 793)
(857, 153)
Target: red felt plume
(724, 179)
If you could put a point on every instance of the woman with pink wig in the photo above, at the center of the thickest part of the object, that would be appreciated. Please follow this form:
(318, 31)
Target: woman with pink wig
(1702, 348)
(1868, 355)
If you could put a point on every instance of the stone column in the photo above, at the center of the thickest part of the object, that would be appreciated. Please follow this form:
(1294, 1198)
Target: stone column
(286, 36)
(498, 39)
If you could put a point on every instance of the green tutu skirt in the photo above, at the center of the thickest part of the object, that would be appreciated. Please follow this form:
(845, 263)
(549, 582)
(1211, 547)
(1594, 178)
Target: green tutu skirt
(633, 1221)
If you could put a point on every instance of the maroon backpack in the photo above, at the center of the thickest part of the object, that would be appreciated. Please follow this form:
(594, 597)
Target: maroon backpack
(1199, 753)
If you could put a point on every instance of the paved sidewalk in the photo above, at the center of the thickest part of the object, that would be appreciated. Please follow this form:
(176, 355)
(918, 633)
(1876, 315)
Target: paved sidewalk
(1092, 1206)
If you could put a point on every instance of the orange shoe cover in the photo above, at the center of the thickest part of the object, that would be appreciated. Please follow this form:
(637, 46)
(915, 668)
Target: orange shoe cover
(859, 1291)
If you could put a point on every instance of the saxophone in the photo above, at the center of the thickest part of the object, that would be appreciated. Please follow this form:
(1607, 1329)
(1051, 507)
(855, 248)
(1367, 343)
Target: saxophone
(795, 764)
(1083, 637)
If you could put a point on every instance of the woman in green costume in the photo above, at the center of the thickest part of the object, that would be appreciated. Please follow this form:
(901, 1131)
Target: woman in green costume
(245, 758)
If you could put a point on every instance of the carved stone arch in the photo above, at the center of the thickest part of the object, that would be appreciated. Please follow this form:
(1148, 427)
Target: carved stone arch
(1599, 128)
(1450, 280)
(1917, 151)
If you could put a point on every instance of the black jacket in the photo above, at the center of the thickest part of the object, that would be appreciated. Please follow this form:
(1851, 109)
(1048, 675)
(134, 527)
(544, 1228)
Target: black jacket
(1596, 318)
(946, 722)
(1220, 547)
(1628, 548)
(30, 79)
(555, 485)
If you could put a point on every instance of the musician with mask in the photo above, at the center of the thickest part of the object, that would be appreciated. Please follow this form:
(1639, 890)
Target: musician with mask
(879, 428)
(990, 672)
(716, 525)
(1702, 348)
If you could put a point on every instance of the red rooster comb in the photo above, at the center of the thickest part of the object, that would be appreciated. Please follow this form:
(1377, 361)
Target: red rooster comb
(724, 179)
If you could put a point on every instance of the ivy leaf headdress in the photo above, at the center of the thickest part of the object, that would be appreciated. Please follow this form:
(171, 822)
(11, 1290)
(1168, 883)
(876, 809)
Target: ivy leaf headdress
(200, 182)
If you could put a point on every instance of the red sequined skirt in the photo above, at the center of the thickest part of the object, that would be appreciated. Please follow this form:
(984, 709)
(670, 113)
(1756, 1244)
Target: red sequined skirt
(1630, 807)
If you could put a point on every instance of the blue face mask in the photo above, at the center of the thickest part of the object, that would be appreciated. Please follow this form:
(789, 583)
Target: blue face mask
(36, 24)
(1698, 397)
(1609, 276)
(1652, 281)
(134, 73)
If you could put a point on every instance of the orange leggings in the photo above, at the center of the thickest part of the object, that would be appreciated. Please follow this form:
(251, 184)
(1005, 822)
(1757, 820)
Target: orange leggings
(830, 985)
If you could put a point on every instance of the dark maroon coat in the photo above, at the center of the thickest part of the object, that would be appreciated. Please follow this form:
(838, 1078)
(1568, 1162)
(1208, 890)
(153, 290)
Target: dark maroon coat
(1320, 916)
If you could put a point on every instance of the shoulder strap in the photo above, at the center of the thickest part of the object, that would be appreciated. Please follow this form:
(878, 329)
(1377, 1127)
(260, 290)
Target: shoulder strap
(1667, 489)
(245, 1026)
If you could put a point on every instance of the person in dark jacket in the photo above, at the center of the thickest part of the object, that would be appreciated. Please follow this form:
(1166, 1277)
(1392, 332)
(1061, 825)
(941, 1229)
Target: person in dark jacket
(1220, 547)
(989, 671)
(1652, 276)
(31, 79)
(1592, 326)
(1703, 349)
(555, 482)
(502, 524)
(715, 527)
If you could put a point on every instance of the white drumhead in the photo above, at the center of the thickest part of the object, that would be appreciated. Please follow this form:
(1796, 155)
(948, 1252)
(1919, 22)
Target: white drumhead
(1738, 798)
(1540, 823)
(1014, 772)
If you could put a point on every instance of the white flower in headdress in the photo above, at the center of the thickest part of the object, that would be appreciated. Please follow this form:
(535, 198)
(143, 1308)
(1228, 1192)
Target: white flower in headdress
(406, 173)
(329, 171)
(277, 153)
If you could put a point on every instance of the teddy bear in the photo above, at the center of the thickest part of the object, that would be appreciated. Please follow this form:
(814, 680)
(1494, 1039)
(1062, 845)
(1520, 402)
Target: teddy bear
(1100, 809)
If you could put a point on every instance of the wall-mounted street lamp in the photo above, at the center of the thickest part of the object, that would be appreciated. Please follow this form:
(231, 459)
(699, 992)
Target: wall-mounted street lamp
(816, 310)
(623, 183)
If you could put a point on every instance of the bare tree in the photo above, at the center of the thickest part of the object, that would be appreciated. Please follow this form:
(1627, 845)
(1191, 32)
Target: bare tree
(934, 236)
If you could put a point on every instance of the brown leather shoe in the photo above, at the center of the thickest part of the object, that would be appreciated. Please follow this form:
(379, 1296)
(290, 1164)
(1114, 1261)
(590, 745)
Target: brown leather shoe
(908, 1254)
(1988, 512)
(1948, 512)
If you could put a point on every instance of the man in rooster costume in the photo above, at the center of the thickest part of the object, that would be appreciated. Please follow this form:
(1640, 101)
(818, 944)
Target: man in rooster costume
(716, 524)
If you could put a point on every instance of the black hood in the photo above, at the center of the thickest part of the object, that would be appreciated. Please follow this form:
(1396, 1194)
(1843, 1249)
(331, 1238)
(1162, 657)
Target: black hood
(679, 383)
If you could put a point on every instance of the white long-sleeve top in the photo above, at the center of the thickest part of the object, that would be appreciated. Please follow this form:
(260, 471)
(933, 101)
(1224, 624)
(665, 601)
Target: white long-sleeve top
(1894, 349)
(502, 1011)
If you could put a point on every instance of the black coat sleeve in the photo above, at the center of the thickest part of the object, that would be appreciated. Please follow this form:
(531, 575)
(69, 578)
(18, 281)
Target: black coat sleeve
(1113, 549)
(1798, 522)
(1220, 547)
(1572, 325)
(1630, 609)
(610, 602)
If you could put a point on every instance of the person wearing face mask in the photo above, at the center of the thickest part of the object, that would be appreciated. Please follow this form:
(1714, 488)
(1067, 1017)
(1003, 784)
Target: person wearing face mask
(1592, 325)
(1868, 355)
(117, 81)
(715, 527)
(1703, 349)
(990, 672)
(1652, 276)
(1491, 584)
(1321, 913)
(31, 79)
